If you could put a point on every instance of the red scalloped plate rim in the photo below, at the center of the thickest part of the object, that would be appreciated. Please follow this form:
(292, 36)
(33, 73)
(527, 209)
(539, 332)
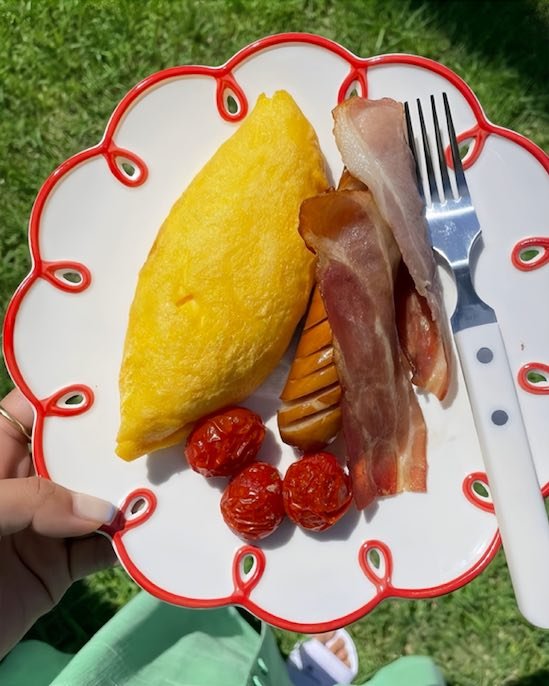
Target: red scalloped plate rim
(102, 148)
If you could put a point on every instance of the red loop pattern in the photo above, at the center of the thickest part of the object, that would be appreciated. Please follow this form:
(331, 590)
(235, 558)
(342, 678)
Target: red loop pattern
(381, 581)
(227, 85)
(113, 154)
(52, 407)
(478, 136)
(470, 493)
(530, 386)
(244, 584)
(358, 76)
(50, 272)
(225, 82)
(532, 242)
(124, 519)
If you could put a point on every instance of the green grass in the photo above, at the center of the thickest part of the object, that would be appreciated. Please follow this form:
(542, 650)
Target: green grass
(63, 67)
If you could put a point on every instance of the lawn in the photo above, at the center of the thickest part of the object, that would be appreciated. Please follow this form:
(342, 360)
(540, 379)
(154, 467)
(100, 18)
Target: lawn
(63, 67)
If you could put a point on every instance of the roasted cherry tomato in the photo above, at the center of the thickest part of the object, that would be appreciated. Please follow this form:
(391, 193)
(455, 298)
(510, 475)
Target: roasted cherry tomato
(252, 502)
(221, 444)
(316, 491)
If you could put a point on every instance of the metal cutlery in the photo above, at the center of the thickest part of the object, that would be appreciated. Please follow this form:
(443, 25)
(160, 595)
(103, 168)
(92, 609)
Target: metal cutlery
(454, 230)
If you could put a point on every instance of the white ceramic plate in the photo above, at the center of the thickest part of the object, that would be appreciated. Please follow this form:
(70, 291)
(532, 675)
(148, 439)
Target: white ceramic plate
(91, 228)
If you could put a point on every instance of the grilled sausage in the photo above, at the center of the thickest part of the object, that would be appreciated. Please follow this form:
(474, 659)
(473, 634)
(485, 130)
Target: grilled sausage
(310, 416)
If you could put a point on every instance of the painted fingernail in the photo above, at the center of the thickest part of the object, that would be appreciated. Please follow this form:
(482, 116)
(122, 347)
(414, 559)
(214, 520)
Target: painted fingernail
(95, 509)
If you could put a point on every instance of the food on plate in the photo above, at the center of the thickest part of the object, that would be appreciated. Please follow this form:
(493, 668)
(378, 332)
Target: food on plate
(252, 505)
(223, 443)
(358, 258)
(226, 282)
(377, 277)
(316, 491)
(419, 337)
(347, 182)
(310, 416)
(371, 138)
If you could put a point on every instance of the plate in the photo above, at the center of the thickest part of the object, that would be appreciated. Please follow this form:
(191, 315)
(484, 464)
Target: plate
(91, 228)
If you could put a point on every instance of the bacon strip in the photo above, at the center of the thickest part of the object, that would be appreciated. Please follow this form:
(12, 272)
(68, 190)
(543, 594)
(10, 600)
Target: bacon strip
(371, 138)
(358, 258)
(419, 337)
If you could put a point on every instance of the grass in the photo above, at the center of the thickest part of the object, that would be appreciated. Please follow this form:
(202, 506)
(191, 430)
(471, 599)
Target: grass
(63, 67)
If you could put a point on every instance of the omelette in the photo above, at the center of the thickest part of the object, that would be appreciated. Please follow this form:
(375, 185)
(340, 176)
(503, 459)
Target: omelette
(225, 283)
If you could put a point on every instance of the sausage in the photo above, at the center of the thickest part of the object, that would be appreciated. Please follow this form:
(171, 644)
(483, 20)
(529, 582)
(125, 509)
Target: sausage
(310, 416)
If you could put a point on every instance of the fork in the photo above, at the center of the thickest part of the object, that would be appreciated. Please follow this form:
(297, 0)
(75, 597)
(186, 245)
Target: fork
(454, 230)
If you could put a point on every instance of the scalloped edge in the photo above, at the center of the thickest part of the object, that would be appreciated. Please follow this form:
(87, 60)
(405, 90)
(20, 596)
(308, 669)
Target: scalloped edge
(358, 68)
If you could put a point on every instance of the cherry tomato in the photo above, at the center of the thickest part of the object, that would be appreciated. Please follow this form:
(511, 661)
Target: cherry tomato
(221, 444)
(251, 504)
(316, 491)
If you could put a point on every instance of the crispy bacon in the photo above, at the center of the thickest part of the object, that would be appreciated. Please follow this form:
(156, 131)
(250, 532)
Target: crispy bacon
(358, 258)
(370, 135)
(419, 337)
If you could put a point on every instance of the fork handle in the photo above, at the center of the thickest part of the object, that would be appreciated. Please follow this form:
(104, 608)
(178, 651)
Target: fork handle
(510, 469)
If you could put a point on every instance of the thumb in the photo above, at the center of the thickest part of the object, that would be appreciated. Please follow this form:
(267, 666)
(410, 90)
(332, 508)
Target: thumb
(49, 509)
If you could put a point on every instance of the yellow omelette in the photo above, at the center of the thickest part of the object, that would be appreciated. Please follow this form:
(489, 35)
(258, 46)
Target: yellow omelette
(225, 283)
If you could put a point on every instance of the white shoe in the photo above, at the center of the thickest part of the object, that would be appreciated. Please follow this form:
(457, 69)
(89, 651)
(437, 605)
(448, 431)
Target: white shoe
(312, 663)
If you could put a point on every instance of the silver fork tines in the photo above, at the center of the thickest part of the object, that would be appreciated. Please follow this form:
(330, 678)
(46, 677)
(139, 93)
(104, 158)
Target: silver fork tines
(446, 186)
(453, 223)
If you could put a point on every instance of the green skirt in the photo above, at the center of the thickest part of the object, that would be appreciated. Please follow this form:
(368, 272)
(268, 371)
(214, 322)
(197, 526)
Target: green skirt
(151, 643)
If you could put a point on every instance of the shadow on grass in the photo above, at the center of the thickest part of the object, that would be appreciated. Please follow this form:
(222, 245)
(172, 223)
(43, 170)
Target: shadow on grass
(508, 33)
(539, 678)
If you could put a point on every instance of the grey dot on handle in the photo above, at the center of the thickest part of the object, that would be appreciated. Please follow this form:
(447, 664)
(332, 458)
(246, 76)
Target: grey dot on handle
(500, 417)
(485, 355)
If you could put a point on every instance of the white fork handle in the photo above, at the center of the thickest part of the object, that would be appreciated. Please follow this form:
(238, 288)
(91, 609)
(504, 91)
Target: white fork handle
(512, 478)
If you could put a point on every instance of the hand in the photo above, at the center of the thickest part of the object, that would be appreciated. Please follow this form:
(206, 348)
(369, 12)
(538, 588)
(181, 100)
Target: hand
(40, 522)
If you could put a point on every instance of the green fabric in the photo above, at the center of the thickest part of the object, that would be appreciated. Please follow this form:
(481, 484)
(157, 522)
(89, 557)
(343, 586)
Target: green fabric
(32, 662)
(413, 670)
(150, 642)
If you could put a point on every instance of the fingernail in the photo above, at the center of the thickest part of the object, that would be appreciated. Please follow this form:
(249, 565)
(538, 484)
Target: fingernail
(92, 508)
